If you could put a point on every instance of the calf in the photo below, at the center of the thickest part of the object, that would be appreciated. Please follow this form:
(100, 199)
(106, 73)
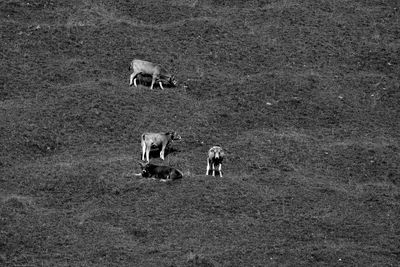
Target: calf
(215, 158)
(149, 140)
(148, 68)
(164, 173)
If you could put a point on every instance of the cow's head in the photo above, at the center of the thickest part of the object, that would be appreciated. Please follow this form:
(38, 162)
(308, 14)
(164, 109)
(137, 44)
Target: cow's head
(173, 81)
(175, 136)
(143, 166)
(217, 153)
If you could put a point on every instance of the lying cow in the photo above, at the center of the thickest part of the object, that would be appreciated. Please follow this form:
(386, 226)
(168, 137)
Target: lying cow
(164, 173)
(157, 72)
(214, 160)
(162, 140)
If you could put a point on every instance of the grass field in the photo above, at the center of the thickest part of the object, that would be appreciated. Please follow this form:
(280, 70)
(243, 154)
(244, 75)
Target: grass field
(304, 96)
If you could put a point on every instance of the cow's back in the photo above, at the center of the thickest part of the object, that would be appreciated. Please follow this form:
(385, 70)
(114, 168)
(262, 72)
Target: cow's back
(143, 66)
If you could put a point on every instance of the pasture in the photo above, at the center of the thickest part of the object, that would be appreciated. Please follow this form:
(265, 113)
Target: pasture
(304, 97)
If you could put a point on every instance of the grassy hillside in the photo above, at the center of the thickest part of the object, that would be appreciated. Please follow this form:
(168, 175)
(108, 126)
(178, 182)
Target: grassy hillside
(304, 96)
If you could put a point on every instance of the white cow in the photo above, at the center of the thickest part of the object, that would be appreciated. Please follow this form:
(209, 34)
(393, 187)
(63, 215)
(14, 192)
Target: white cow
(149, 140)
(214, 160)
(148, 68)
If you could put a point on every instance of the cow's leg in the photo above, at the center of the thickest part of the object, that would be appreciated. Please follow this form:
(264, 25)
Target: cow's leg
(148, 153)
(213, 169)
(133, 79)
(160, 83)
(162, 152)
(143, 151)
(152, 82)
(208, 167)
(220, 170)
(166, 179)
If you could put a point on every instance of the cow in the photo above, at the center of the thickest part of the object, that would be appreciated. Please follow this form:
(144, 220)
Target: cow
(148, 68)
(163, 173)
(214, 160)
(149, 140)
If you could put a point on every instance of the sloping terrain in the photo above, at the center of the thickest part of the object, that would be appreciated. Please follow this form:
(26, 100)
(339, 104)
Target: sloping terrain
(304, 97)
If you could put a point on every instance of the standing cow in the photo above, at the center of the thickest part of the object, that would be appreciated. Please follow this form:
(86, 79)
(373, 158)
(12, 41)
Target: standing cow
(157, 72)
(214, 160)
(149, 140)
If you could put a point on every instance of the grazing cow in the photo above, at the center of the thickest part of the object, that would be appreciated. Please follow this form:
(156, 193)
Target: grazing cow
(148, 68)
(215, 158)
(149, 140)
(164, 173)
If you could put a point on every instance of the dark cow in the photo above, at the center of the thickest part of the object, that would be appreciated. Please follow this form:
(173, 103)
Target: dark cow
(163, 173)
